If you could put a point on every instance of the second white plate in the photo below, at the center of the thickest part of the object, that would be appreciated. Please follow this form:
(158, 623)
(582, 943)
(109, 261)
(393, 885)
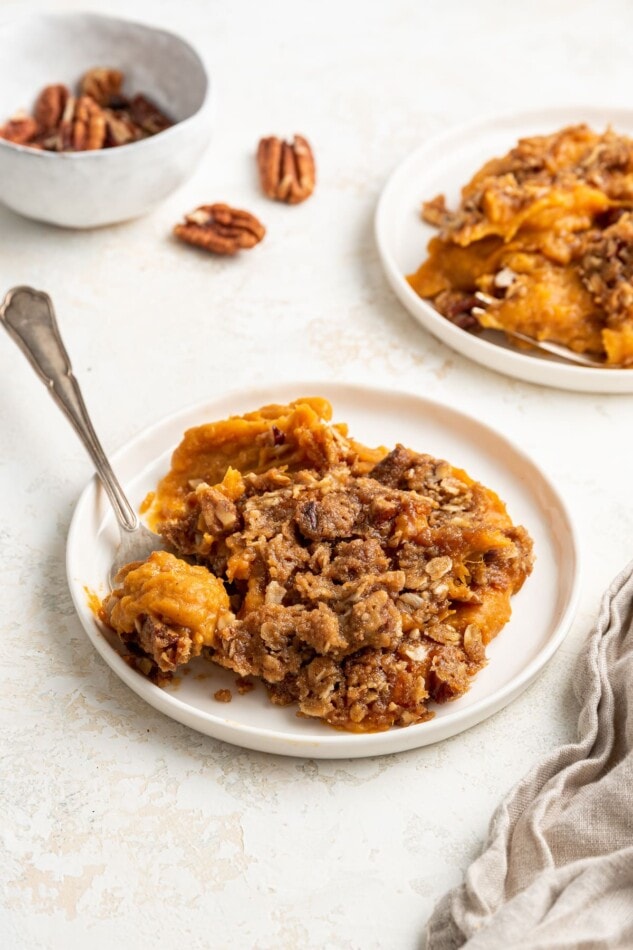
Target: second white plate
(443, 165)
(542, 611)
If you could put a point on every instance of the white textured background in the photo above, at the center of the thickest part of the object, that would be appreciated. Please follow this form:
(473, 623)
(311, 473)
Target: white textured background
(119, 827)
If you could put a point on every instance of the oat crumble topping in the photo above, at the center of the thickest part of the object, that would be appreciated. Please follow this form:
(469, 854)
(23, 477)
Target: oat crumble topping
(360, 584)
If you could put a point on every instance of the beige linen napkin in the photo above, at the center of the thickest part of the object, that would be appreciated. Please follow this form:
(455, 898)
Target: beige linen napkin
(557, 868)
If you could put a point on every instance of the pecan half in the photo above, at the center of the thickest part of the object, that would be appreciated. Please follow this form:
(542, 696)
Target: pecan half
(83, 126)
(220, 229)
(286, 169)
(147, 115)
(104, 86)
(20, 129)
(50, 105)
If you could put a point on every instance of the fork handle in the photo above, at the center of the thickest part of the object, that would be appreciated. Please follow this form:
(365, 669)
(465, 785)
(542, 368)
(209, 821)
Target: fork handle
(29, 318)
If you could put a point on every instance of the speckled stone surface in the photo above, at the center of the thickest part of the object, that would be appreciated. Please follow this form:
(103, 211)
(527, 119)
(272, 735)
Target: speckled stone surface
(119, 827)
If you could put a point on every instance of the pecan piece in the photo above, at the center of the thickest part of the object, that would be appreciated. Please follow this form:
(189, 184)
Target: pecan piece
(50, 105)
(45, 141)
(457, 306)
(148, 116)
(20, 129)
(82, 127)
(435, 212)
(120, 130)
(220, 229)
(104, 86)
(286, 169)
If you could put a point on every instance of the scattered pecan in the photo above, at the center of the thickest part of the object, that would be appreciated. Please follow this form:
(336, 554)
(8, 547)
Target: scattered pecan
(20, 129)
(83, 126)
(286, 169)
(50, 105)
(220, 229)
(104, 86)
(148, 116)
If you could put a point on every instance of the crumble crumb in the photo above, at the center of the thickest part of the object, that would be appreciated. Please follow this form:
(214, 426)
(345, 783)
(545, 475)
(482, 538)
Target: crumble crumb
(223, 695)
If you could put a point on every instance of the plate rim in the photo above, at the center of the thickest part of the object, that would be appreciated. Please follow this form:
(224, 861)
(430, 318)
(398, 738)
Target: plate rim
(529, 368)
(339, 744)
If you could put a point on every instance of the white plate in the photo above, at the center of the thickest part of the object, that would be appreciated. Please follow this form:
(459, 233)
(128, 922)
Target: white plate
(444, 165)
(543, 610)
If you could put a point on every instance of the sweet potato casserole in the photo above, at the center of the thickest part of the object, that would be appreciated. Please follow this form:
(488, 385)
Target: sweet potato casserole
(357, 583)
(542, 244)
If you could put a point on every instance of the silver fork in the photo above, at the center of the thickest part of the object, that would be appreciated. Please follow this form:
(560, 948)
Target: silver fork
(554, 349)
(29, 319)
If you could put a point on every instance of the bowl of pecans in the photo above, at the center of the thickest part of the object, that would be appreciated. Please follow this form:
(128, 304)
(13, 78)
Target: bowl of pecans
(100, 118)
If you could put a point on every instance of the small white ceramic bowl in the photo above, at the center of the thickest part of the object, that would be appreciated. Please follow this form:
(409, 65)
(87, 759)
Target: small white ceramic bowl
(88, 189)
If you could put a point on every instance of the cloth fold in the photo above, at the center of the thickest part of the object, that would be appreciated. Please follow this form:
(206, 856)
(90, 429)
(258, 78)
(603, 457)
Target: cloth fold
(557, 867)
